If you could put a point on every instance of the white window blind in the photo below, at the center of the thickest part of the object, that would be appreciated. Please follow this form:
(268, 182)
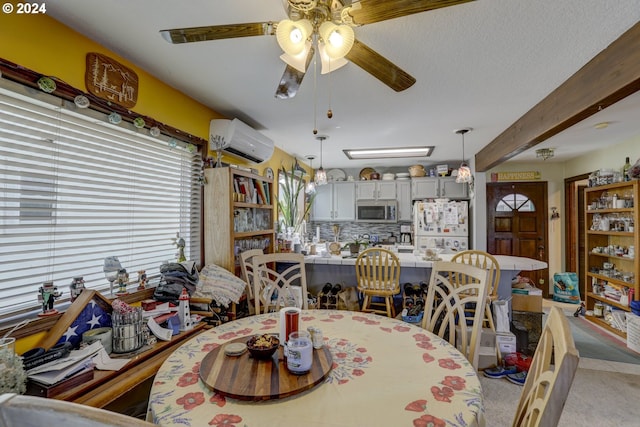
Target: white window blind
(75, 189)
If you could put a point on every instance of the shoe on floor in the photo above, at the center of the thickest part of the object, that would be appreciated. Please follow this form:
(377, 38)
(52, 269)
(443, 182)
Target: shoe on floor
(499, 371)
(517, 378)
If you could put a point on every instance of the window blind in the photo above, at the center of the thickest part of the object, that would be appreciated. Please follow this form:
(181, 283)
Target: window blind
(76, 189)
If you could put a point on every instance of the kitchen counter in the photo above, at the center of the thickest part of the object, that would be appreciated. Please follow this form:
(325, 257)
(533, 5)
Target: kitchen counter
(506, 262)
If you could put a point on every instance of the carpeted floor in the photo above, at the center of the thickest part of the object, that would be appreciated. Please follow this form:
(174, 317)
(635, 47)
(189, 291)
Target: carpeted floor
(594, 343)
(605, 389)
(597, 398)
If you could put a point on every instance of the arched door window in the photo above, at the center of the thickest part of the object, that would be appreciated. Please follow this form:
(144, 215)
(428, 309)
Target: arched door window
(515, 202)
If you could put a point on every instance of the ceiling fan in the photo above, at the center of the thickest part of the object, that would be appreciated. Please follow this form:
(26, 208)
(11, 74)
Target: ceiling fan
(323, 27)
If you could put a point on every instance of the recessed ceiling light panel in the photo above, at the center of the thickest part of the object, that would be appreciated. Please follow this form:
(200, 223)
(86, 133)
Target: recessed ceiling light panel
(395, 152)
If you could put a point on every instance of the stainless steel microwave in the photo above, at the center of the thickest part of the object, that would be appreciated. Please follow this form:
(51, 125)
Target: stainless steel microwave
(377, 211)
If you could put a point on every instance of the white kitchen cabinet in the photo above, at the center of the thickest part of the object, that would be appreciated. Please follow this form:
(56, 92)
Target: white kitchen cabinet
(335, 201)
(403, 192)
(376, 190)
(432, 187)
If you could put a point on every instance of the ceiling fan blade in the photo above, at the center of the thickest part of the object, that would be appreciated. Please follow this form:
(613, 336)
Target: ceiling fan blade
(379, 67)
(292, 78)
(218, 32)
(380, 10)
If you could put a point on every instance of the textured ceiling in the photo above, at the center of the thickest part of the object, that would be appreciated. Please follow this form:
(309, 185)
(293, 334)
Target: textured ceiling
(481, 64)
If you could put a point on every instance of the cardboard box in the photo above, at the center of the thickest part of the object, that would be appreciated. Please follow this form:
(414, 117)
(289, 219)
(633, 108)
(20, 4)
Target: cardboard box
(506, 342)
(531, 303)
(487, 337)
(487, 358)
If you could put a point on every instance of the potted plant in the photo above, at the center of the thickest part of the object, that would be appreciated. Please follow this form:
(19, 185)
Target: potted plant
(291, 188)
(356, 243)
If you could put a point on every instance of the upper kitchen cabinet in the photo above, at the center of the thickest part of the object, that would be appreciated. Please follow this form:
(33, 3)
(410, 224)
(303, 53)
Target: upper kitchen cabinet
(434, 187)
(335, 202)
(376, 190)
(403, 192)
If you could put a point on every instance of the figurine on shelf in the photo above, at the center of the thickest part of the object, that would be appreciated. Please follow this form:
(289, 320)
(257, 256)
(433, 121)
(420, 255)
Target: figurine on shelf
(76, 287)
(142, 280)
(123, 281)
(48, 295)
(180, 244)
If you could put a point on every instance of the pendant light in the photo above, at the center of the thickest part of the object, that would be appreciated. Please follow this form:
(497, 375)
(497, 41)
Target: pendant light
(464, 172)
(321, 174)
(311, 185)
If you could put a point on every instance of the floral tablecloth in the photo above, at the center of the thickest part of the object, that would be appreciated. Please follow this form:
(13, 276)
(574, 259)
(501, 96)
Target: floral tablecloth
(385, 373)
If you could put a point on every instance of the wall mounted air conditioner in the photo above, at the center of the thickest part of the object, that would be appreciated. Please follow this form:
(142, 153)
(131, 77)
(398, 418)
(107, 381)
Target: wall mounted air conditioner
(240, 140)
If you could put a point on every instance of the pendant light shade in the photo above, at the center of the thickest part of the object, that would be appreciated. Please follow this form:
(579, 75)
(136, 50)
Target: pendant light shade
(464, 172)
(321, 174)
(311, 185)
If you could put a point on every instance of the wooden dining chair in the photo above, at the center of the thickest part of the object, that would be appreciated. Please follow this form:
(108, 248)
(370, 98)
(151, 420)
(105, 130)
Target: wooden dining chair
(279, 280)
(452, 286)
(26, 411)
(550, 376)
(246, 268)
(378, 275)
(488, 262)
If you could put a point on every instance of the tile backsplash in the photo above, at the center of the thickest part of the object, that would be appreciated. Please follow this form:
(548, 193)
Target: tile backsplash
(350, 229)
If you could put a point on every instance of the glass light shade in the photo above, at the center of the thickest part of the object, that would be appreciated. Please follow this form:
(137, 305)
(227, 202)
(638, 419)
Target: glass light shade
(464, 174)
(311, 187)
(338, 39)
(299, 61)
(329, 64)
(321, 176)
(292, 35)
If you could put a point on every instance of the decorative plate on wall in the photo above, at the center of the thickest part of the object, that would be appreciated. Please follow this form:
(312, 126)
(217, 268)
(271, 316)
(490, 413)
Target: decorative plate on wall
(366, 172)
(336, 175)
(268, 173)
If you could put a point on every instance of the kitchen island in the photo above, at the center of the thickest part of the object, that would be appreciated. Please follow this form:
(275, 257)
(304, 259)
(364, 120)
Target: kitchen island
(413, 269)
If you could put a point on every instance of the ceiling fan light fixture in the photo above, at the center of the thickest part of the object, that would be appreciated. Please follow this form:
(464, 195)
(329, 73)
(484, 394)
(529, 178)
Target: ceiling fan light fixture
(395, 152)
(299, 61)
(292, 36)
(338, 39)
(328, 64)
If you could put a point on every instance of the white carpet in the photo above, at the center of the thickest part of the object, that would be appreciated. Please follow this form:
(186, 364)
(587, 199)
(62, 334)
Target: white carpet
(603, 393)
(597, 398)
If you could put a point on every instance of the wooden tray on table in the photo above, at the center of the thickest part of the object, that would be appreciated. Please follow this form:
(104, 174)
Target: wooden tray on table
(244, 378)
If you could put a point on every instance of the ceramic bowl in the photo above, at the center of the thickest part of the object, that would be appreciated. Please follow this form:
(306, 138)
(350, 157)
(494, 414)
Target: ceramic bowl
(262, 352)
(388, 176)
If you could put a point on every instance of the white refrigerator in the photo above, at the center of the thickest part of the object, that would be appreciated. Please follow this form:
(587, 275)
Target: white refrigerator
(441, 225)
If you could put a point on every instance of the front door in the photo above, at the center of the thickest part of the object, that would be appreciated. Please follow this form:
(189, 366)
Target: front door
(517, 224)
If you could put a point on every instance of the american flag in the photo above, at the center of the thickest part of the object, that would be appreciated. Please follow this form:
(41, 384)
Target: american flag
(92, 317)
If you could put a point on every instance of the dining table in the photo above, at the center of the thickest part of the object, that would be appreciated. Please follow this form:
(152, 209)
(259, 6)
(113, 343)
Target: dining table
(383, 372)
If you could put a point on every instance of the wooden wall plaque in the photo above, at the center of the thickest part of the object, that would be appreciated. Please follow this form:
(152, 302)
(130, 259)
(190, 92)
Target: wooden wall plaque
(110, 80)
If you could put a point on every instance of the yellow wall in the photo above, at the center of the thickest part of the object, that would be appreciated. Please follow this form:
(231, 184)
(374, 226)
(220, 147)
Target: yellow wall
(44, 45)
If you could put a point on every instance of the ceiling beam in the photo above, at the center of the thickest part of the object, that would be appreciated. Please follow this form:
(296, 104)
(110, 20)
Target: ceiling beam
(610, 76)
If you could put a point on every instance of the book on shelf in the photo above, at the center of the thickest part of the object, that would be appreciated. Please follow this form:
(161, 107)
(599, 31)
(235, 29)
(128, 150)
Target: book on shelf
(265, 186)
(262, 199)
